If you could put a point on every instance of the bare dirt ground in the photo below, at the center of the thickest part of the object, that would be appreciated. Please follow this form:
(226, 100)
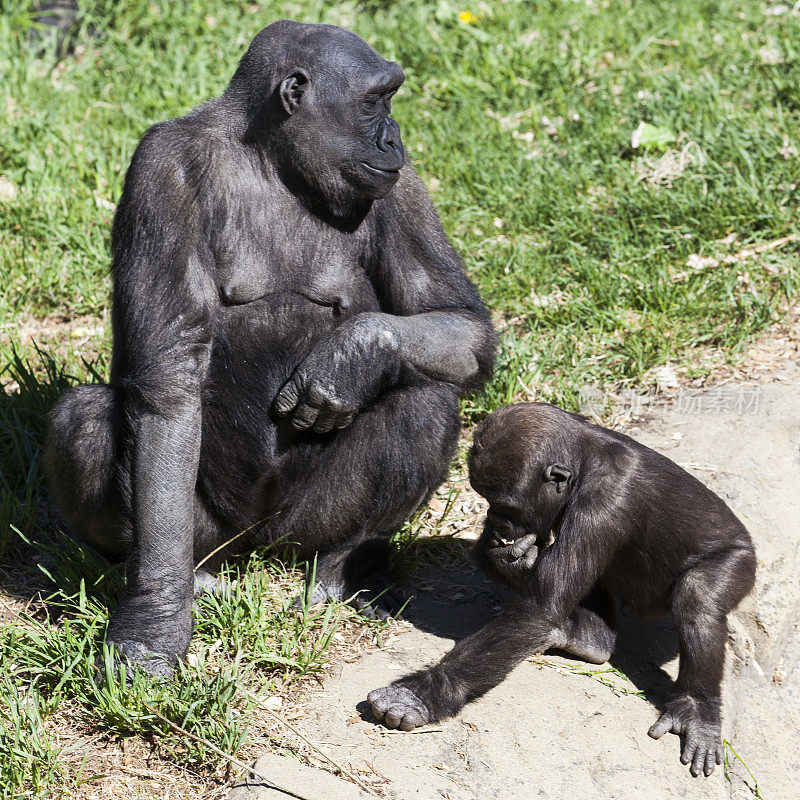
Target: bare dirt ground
(559, 727)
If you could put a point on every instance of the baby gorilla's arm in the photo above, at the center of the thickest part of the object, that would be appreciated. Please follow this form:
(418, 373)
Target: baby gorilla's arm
(529, 625)
(471, 668)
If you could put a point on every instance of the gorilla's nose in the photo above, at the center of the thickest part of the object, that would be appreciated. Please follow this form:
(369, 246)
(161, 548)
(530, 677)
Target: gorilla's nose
(389, 137)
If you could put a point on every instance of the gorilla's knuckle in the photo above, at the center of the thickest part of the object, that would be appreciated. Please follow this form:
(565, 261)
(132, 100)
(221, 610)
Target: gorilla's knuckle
(317, 393)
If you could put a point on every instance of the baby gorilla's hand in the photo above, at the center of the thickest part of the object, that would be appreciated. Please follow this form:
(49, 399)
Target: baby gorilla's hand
(521, 554)
(509, 562)
(398, 707)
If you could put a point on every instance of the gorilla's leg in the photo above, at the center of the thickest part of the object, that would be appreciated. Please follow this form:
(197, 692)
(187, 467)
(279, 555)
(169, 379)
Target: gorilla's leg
(700, 602)
(591, 631)
(81, 462)
(371, 478)
(357, 570)
(89, 476)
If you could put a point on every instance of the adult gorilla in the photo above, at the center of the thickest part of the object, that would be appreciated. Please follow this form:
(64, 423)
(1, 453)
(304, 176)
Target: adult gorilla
(292, 330)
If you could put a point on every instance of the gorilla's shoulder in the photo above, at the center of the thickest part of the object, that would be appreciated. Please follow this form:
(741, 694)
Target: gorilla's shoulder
(176, 152)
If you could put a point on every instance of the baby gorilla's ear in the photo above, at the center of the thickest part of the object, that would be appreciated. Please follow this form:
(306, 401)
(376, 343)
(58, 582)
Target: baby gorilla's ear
(558, 474)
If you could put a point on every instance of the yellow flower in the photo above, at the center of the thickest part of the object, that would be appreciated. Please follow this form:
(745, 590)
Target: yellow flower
(468, 17)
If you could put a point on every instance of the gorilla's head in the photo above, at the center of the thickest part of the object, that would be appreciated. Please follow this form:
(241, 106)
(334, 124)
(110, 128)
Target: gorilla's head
(518, 463)
(320, 98)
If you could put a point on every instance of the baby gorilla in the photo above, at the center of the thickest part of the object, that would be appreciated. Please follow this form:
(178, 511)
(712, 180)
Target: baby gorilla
(626, 521)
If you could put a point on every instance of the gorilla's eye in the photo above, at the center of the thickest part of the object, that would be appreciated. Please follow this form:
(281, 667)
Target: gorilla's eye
(371, 102)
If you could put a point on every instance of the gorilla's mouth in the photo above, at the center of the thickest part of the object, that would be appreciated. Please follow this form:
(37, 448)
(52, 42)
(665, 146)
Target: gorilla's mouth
(383, 171)
(500, 541)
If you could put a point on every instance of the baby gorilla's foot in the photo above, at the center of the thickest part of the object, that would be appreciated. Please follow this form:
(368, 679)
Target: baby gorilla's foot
(398, 707)
(698, 721)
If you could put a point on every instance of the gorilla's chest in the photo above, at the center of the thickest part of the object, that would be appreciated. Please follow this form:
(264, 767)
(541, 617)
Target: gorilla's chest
(274, 257)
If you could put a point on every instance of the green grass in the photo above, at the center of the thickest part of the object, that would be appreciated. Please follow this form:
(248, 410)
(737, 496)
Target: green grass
(247, 640)
(572, 240)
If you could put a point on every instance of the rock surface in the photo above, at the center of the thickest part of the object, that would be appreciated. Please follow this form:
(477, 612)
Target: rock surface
(306, 782)
(550, 731)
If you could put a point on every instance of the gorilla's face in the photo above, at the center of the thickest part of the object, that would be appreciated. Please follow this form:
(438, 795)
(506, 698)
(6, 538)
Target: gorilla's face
(515, 470)
(376, 153)
(340, 140)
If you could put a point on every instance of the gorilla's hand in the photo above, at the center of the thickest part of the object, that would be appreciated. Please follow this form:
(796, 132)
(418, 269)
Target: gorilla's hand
(397, 706)
(147, 632)
(511, 564)
(345, 371)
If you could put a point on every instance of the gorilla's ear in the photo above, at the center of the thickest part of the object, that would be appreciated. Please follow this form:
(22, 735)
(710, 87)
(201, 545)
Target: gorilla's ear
(292, 89)
(559, 475)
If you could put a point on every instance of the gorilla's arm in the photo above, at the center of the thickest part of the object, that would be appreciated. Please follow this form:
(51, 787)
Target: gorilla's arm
(543, 616)
(442, 327)
(162, 321)
(435, 326)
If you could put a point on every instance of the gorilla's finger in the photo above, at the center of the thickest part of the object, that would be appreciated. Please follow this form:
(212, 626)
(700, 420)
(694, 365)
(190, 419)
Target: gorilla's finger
(325, 421)
(710, 763)
(719, 753)
(304, 417)
(364, 607)
(524, 545)
(689, 750)
(393, 717)
(317, 396)
(319, 595)
(343, 420)
(660, 727)
(376, 699)
(410, 721)
(288, 397)
(698, 761)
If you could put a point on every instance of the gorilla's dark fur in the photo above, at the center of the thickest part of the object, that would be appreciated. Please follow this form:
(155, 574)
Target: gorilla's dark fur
(292, 331)
(626, 521)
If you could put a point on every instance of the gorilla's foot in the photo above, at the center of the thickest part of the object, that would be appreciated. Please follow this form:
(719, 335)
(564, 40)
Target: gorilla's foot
(697, 720)
(398, 707)
(133, 655)
(206, 583)
(356, 573)
(150, 632)
(370, 603)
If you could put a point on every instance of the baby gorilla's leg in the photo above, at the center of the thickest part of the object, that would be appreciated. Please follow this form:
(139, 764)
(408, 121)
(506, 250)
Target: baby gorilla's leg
(590, 632)
(701, 600)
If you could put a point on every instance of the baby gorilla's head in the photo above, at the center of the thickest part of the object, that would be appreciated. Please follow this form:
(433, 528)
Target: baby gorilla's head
(518, 463)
